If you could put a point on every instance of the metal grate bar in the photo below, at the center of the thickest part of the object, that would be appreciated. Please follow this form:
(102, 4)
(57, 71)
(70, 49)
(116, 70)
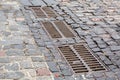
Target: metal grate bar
(80, 58)
(64, 29)
(43, 12)
(51, 30)
(38, 11)
(90, 60)
(74, 61)
(49, 12)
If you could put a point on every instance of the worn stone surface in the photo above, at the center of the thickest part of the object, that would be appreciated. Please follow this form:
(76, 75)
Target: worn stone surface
(25, 46)
(18, 50)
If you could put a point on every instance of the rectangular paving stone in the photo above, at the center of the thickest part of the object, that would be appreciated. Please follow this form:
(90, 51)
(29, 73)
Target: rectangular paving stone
(99, 30)
(15, 52)
(51, 2)
(4, 60)
(59, 78)
(39, 64)
(67, 72)
(69, 78)
(37, 59)
(12, 67)
(25, 2)
(26, 65)
(38, 3)
(115, 36)
(114, 48)
(2, 16)
(14, 75)
(53, 66)
(2, 76)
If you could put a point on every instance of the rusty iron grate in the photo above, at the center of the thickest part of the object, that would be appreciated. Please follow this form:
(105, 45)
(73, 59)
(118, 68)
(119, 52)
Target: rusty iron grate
(51, 30)
(58, 29)
(43, 12)
(73, 60)
(64, 29)
(80, 58)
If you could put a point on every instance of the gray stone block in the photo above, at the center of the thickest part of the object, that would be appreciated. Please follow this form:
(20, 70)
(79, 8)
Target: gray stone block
(26, 2)
(13, 52)
(99, 30)
(53, 66)
(38, 3)
(114, 48)
(26, 65)
(4, 60)
(14, 75)
(66, 72)
(12, 67)
(37, 59)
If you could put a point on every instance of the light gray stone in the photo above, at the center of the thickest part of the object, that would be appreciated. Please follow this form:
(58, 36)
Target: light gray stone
(114, 48)
(38, 3)
(14, 75)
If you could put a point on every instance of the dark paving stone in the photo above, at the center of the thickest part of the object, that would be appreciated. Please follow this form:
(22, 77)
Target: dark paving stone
(53, 66)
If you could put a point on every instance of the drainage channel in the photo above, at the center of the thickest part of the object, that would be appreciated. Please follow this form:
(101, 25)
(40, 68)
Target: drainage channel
(80, 58)
(58, 29)
(43, 12)
(51, 30)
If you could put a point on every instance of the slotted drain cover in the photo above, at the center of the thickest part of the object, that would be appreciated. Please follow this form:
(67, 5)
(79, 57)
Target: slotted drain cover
(43, 12)
(80, 58)
(38, 11)
(73, 60)
(58, 29)
(51, 30)
(63, 28)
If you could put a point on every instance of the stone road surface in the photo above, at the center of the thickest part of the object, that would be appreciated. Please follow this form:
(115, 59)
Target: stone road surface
(28, 53)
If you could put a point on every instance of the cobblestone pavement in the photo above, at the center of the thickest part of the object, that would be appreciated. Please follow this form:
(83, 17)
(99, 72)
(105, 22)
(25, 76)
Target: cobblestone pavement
(28, 53)
(20, 58)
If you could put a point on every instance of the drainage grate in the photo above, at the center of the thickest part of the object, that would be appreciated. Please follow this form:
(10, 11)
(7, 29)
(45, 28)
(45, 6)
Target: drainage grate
(58, 29)
(43, 12)
(80, 59)
(88, 57)
(38, 11)
(49, 12)
(74, 61)
(51, 30)
(64, 29)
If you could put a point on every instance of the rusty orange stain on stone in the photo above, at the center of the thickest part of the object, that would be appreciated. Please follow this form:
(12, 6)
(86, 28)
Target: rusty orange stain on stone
(56, 75)
(43, 72)
(95, 19)
(2, 53)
